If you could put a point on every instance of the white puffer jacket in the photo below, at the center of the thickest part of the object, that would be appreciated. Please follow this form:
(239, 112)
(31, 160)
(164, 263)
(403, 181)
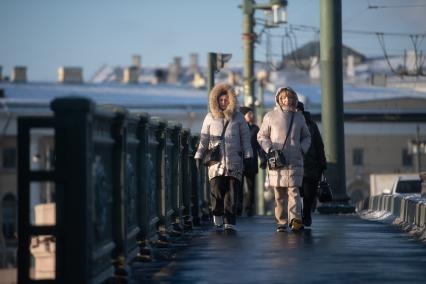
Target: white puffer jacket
(235, 145)
(272, 135)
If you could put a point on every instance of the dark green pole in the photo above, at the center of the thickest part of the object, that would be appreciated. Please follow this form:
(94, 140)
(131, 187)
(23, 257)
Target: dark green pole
(211, 66)
(248, 45)
(332, 96)
(260, 178)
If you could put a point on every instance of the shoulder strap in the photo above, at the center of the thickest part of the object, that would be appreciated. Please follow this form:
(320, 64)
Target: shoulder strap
(224, 129)
(289, 129)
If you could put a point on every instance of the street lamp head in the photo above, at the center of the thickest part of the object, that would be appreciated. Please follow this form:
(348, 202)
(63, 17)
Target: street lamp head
(279, 11)
(279, 14)
(269, 19)
(221, 59)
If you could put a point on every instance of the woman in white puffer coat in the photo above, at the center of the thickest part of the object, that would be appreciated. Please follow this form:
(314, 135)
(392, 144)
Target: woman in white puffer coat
(288, 179)
(225, 176)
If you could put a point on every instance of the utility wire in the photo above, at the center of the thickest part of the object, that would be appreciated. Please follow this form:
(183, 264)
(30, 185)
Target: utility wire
(393, 6)
(310, 28)
(419, 58)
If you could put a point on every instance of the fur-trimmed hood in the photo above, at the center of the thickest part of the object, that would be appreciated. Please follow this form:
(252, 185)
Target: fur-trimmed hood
(215, 110)
(277, 104)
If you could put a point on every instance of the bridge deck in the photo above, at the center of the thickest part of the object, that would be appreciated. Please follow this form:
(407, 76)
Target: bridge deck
(336, 249)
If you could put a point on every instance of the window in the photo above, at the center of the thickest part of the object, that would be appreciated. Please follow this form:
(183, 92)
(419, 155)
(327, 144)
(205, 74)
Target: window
(9, 215)
(357, 157)
(9, 158)
(407, 159)
(409, 186)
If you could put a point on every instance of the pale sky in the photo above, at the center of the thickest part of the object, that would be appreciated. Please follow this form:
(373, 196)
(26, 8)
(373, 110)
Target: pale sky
(46, 34)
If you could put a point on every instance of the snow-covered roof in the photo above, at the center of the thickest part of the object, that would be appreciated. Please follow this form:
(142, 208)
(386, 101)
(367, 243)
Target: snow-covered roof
(163, 96)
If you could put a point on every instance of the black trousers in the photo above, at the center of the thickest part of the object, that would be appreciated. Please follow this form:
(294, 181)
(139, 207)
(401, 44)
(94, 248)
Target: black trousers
(309, 188)
(248, 200)
(224, 194)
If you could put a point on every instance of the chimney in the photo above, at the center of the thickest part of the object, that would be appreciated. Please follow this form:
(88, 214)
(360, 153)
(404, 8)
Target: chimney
(193, 65)
(350, 66)
(174, 71)
(70, 75)
(131, 75)
(177, 61)
(136, 61)
(19, 74)
(410, 61)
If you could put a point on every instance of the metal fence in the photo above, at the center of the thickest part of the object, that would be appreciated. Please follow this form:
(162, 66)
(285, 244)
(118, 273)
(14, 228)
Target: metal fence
(122, 183)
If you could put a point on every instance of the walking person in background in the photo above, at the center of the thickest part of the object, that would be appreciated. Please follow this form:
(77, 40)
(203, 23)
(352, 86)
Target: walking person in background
(284, 135)
(315, 163)
(225, 130)
(246, 200)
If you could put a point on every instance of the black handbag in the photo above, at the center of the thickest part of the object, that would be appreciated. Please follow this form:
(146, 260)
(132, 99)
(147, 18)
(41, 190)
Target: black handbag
(212, 155)
(276, 159)
(324, 193)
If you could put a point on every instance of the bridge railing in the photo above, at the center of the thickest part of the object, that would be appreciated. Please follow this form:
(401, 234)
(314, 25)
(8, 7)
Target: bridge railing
(408, 211)
(123, 183)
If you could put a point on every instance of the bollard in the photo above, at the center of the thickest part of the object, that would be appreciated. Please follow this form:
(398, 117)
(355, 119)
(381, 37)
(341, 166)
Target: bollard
(84, 191)
(165, 211)
(422, 219)
(121, 180)
(423, 179)
(147, 184)
(174, 132)
(195, 182)
(392, 205)
(153, 180)
(186, 179)
(130, 183)
(118, 164)
(411, 211)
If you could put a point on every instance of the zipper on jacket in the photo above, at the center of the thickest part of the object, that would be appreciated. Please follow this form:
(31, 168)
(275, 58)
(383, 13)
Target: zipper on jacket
(224, 146)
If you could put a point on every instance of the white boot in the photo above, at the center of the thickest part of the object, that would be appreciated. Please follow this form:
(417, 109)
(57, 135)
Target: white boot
(230, 228)
(218, 221)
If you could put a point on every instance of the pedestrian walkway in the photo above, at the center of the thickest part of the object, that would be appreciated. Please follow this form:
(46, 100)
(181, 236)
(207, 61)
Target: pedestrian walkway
(336, 249)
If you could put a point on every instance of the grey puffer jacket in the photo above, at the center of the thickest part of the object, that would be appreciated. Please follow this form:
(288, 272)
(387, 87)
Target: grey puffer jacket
(235, 145)
(272, 135)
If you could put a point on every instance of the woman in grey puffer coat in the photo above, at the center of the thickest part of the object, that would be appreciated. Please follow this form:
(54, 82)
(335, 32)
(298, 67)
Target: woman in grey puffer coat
(287, 180)
(225, 176)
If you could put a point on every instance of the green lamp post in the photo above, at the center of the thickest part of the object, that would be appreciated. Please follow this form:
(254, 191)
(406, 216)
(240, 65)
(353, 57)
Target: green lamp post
(277, 11)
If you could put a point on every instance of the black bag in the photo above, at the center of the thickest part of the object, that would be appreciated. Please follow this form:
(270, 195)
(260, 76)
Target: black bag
(212, 155)
(276, 159)
(324, 193)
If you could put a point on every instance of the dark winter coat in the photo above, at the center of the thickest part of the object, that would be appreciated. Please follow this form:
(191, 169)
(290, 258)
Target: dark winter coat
(252, 168)
(314, 160)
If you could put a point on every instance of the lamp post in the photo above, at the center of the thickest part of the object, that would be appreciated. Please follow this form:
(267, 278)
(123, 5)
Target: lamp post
(277, 11)
(332, 104)
(215, 62)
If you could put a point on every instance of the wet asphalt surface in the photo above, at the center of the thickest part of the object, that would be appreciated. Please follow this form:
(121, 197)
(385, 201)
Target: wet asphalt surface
(335, 249)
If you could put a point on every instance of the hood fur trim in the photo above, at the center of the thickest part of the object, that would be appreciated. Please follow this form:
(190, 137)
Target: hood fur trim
(276, 97)
(215, 110)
